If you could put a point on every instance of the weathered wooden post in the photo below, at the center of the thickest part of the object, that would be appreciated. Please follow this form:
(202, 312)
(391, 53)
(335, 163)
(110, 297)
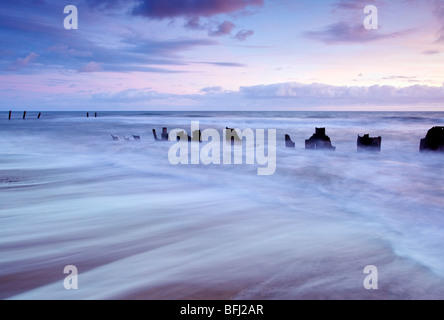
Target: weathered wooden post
(87, 114)
(319, 141)
(197, 136)
(10, 114)
(165, 136)
(288, 142)
(231, 135)
(369, 144)
(434, 141)
(24, 115)
(155, 135)
(40, 114)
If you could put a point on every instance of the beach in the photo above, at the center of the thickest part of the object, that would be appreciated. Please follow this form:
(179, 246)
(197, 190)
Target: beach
(137, 227)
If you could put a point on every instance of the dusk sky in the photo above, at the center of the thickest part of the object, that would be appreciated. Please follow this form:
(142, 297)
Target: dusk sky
(222, 55)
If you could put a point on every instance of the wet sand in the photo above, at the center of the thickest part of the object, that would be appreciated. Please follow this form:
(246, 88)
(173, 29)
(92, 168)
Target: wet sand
(230, 254)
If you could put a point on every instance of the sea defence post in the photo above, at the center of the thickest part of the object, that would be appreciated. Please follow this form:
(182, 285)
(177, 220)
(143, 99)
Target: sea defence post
(164, 136)
(367, 143)
(319, 141)
(288, 142)
(434, 141)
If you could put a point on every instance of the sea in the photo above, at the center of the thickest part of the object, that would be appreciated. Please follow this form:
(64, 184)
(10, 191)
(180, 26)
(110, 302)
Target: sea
(135, 226)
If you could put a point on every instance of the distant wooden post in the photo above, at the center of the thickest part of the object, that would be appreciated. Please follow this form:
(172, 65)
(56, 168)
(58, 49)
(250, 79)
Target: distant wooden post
(155, 135)
(40, 114)
(165, 136)
(87, 114)
(24, 115)
(95, 115)
(288, 142)
(10, 114)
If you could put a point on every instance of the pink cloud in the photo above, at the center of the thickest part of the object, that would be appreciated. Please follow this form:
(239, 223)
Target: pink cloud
(174, 8)
(65, 50)
(354, 4)
(244, 34)
(223, 29)
(343, 32)
(439, 12)
(23, 62)
(91, 67)
(432, 52)
(194, 23)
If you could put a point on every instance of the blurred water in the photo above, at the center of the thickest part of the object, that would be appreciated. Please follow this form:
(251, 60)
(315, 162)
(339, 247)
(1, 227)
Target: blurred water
(138, 227)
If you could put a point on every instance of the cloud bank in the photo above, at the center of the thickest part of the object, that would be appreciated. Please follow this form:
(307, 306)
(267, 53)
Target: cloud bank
(286, 96)
(337, 95)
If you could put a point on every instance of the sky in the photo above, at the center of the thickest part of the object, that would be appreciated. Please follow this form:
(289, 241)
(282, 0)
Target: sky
(254, 55)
